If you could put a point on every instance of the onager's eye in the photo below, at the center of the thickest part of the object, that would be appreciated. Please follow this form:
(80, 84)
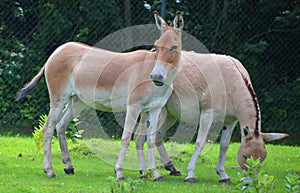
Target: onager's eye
(153, 49)
(173, 48)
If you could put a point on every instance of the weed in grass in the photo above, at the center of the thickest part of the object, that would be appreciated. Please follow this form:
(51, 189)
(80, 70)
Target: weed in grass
(254, 180)
(149, 174)
(128, 185)
(292, 182)
(82, 149)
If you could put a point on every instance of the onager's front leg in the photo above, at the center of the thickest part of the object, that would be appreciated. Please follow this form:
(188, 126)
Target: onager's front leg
(164, 123)
(224, 143)
(151, 137)
(139, 138)
(130, 120)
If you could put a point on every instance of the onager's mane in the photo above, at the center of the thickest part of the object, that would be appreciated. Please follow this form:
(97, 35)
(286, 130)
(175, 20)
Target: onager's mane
(254, 98)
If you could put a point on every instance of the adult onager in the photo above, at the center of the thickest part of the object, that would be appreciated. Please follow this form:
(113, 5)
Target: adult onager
(214, 91)
(138, 82)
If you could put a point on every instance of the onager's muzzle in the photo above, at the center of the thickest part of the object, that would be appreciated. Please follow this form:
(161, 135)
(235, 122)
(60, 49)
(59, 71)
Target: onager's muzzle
(158, 75)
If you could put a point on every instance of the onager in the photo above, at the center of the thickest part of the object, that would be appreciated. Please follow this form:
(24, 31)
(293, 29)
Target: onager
(214, 91)
(138, 82)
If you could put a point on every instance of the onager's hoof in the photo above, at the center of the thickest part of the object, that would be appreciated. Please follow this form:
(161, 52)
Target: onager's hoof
(191, 180)
(121, 179)
(143, 177)
(159, 179)
(173, 170)
(175, 173)
(69, 171)
(50, 174)
(225, 180)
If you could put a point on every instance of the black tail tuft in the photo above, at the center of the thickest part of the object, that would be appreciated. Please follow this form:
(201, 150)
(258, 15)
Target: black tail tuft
(28, 87)
(21, 94)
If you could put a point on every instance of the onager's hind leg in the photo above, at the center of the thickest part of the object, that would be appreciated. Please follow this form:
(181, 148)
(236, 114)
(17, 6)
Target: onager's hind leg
(70, 111)
(165, 158)
(207, 123)
(48, 130)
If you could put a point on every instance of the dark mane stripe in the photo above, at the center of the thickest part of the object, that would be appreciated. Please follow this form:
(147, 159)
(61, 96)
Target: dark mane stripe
(254, 98)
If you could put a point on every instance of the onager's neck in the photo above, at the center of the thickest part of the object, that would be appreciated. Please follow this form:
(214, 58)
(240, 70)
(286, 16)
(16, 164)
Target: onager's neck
(248, 112)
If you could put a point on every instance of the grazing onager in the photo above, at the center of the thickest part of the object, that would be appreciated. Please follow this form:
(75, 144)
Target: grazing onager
(218, 89)
(138, 82)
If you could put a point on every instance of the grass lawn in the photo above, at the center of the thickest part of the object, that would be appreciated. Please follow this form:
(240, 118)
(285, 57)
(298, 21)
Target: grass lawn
(21, 168)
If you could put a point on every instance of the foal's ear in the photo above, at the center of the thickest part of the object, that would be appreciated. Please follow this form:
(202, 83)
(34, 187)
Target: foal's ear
(178, 22)
(160, 22)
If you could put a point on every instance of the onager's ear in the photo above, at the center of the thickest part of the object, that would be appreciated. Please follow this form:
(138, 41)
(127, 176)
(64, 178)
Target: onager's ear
(160, 22)
(178, 22)
(247, 133)
(273, 136)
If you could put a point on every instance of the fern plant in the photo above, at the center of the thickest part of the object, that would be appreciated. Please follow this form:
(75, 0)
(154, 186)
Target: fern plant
(38, 132)
(71, 133)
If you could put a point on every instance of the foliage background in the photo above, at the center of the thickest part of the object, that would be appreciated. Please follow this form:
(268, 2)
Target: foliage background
(263, 34)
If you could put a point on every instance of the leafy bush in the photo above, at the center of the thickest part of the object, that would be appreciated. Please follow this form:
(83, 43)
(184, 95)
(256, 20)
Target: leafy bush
(254, 180)
(72, 132)
(292, 183)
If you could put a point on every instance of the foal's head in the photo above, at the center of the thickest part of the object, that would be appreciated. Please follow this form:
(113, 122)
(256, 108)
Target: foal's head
(168, 48)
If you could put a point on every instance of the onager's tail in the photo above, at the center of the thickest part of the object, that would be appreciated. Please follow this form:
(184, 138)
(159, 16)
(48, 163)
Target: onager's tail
(29, 86)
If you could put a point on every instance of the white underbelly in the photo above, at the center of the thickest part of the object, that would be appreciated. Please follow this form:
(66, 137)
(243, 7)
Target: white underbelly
(103, 100)
(185, 109)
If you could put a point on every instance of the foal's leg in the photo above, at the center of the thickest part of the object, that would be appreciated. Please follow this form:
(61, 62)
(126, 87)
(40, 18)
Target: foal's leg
(206, 123)
(131, 117)
(224, 143)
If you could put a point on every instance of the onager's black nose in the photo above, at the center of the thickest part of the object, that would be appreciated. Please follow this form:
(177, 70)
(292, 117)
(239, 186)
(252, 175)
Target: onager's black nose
(158, 79)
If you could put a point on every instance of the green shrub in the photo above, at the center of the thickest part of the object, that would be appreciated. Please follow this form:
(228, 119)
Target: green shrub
(254, 180)
(292, 183)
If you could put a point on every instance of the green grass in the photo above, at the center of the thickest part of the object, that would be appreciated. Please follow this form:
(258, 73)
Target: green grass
(21, 168)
